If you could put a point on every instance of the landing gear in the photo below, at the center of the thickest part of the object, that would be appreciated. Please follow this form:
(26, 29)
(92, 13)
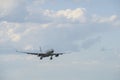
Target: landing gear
(41, 58)
(51, 58)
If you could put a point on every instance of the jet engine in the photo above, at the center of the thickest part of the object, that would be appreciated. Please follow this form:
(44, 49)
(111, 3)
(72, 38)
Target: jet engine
(38, 55)
(56, 55)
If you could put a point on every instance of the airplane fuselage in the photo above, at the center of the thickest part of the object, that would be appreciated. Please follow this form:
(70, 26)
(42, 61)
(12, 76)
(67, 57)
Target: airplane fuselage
(49, 53)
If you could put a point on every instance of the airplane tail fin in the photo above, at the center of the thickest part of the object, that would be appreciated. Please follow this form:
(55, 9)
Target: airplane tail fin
(40, 49)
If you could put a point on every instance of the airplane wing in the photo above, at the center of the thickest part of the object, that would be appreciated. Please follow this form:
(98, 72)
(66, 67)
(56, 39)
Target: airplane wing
(58, 53)
(29, 53)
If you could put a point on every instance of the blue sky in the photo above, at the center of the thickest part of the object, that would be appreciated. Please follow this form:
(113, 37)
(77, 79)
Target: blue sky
(87, 29)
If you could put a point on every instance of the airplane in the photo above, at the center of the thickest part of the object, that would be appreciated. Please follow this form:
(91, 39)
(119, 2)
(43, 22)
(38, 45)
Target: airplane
(50, 53)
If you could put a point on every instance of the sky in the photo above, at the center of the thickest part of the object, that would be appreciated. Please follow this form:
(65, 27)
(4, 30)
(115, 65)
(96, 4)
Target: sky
(87, 30)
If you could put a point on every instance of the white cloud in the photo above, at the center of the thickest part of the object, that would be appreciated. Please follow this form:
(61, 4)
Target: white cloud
(49, 34)
(6, 6)
(113, 20)
(76, 14)
(8, 31)
(72, 15)
(13, 36)
(14, 32)
(100, 19)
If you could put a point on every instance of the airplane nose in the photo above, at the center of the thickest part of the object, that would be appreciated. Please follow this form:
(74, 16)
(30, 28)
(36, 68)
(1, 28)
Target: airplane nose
(52, 50)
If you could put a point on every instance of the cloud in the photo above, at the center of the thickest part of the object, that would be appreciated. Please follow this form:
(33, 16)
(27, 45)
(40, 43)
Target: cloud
(74, 15)
(10, 10)
(51, 35)
(8, 31)
(100, 19)
(59, 26)
(7, 6)
(113, 20)
(87, 43)
(27, 25)
(13, 36)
